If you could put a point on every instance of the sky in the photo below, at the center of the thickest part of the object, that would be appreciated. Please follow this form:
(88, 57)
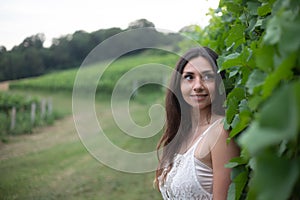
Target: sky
(23, 18)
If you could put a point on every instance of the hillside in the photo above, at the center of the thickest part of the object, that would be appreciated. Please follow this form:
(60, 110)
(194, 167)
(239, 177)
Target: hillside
(64, 80)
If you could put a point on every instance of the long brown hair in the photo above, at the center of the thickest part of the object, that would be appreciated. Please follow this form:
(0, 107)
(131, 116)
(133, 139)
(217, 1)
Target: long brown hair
(178, 112)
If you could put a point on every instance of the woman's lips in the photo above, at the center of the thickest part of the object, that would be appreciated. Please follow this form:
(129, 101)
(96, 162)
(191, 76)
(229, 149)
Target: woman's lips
(199, 97)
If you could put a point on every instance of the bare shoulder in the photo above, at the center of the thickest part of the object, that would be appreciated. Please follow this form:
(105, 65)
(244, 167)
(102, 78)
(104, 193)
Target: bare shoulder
(218, 130)
(224, 146)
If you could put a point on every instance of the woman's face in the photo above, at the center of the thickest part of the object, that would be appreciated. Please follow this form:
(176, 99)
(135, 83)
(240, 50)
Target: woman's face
(198, 83)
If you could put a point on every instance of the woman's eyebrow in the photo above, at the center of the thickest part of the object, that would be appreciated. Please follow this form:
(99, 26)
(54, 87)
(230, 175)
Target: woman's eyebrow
(201, 72)
(187, 72)
(207, 71)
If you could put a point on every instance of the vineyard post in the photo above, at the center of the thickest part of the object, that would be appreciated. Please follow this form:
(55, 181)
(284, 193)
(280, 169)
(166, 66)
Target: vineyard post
(32, 114)
(13, 118)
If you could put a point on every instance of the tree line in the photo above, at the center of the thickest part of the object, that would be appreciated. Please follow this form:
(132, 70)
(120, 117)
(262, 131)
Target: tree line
(31, 58)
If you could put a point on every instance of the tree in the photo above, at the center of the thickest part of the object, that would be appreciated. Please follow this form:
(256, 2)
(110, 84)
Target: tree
(140, 23)
(35, 41)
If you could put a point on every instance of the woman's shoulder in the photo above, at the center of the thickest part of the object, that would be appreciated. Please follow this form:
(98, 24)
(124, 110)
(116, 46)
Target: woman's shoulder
(218, 122)
(217, 132)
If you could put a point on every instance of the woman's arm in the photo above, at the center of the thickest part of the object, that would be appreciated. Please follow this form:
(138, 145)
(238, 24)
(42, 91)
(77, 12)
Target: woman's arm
(221, 154)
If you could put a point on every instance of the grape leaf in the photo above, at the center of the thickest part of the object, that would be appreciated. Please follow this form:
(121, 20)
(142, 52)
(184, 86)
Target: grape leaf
(274, 177)
(273, 127)
(252, 7)
(264, 58)
(236, 36)
(233, 99)
(282, 72)
(255, 79)
(264, 9)
(273, 32)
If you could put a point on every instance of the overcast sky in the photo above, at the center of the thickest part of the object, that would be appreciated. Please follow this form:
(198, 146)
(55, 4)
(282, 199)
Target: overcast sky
(22, 18)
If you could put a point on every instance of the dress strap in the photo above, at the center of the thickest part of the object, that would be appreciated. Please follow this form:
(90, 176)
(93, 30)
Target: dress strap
(204, 133)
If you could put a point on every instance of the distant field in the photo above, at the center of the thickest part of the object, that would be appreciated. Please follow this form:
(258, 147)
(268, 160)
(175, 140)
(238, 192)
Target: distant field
(64, 80)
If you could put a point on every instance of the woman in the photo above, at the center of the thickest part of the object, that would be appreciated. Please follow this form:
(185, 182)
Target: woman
(194, 143)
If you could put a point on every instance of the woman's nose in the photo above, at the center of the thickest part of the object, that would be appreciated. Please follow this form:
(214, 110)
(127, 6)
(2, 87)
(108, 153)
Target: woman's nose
(198, 85)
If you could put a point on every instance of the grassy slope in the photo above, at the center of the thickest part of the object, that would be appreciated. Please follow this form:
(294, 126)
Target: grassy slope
(64, 80)
(52, 163)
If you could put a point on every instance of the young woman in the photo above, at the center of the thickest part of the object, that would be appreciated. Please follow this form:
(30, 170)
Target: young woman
(194, 144)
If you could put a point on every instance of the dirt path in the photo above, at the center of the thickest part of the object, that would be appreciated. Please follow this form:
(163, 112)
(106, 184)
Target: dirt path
(42, 138)
(4, 86)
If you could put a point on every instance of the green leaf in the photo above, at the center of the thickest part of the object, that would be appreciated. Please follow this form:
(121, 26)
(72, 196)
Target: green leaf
(274, 177)
(233, 72)
(234, 7)
(252, 7)
(245, 72)
(284, 118)
(283, 29)
(236, 162)
(240, 183)
(254, 102)
(243, 106)
(236, 59)
(233, 99)
(236, 35)
(273, 127)
(264, 58)
(239, 177)
(251, 26)
(282, 72)
(255, 79)
(231, 60)
(290, 40)
(264, 9)
(240, 122)
(274, 31)
(231, 192)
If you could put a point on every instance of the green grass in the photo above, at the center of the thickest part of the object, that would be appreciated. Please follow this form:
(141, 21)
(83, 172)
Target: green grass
(67, 171)
(52, 163)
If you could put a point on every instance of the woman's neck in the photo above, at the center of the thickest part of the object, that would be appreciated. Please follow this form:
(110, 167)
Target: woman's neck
(201, 117)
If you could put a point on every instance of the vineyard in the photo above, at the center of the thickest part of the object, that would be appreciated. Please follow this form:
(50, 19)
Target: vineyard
(21, 113)
(18, 110)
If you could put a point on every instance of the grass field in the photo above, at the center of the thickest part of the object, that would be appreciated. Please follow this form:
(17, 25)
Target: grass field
(52, 162)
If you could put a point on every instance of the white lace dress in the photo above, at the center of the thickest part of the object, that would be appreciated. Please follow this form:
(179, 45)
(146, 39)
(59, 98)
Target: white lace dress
(189, 178)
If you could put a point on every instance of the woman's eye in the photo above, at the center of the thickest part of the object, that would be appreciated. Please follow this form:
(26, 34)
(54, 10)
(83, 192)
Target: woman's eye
(208, 77)
(188, 77)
